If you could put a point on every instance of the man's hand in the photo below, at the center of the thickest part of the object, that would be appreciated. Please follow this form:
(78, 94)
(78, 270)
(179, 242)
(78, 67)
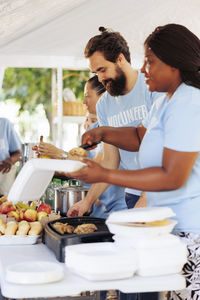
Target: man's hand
(93, 136)
(92, 173)
(6, 165)
(78, 209)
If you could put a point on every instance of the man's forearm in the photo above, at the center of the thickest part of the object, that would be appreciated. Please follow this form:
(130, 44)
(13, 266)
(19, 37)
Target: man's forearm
(126, 138)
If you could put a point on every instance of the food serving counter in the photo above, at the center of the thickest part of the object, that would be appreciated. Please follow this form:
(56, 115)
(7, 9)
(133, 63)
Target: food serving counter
(72, 284)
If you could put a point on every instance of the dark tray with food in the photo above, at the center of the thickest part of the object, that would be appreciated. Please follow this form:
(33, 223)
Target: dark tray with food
(70, 231)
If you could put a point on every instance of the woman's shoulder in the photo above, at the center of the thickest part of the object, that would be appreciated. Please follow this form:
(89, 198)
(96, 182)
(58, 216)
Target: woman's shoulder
(185, 91)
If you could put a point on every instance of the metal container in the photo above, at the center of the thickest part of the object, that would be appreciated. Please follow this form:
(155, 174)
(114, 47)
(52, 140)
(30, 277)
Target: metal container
(27, 153)
(65, 197)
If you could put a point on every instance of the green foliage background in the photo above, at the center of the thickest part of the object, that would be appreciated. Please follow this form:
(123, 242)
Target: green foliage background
(30, 87)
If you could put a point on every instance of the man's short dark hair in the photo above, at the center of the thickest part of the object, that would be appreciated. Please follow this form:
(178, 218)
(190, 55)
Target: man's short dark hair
(109, 43)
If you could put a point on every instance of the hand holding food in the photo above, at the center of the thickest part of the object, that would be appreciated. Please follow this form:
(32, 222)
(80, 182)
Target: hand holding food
(93, 136)
(46, 149)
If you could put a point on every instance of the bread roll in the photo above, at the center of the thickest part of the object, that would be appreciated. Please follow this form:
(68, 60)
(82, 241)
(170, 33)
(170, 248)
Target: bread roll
(23, 228)
(2, 226)
(78, 151)
(36, 228)
(11, 228)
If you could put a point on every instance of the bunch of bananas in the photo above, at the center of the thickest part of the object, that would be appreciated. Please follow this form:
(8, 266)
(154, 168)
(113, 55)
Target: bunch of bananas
(20, 205)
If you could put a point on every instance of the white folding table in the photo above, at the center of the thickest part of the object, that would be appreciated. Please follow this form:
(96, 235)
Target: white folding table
(73, 284)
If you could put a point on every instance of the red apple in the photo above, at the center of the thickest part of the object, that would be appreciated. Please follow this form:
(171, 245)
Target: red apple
(30, 215)
(6, 207)
(44, 207)
(14, 214)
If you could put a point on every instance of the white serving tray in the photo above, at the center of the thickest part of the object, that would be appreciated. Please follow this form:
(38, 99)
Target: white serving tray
(37, 272)
(18, 240)
(35, 176)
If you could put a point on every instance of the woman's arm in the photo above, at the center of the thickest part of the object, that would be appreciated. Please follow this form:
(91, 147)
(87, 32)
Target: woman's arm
(127, 138)
(48, 150)
(175, 170)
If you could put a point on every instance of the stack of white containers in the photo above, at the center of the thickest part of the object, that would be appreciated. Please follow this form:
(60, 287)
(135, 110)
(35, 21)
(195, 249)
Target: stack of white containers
(143, 246)
(147, 231)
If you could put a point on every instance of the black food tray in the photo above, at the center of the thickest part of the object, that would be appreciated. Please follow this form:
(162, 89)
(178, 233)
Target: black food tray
(57, 241)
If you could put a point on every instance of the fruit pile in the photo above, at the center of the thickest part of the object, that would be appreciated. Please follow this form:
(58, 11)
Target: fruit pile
(22, 211)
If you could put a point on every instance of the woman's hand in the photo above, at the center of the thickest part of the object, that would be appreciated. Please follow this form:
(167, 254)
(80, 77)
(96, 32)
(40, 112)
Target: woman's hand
(48, 150)
(78, 209)
(92, 173)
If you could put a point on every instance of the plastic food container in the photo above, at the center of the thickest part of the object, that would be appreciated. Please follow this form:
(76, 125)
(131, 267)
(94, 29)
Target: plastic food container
(132, 222)
(101, 261)
(33, 179)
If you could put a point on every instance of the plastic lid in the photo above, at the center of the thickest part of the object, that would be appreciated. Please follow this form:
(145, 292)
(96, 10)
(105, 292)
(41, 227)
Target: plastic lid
(143, 214)
(35, 176)
(36, 272)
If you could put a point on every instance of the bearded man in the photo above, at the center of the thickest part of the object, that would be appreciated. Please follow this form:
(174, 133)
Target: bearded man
(126, 102)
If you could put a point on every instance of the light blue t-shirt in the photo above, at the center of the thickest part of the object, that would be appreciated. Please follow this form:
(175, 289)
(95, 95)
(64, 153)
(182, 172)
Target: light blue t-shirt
(175, 124)
(113, 199)
(124, 111)
(9, 140)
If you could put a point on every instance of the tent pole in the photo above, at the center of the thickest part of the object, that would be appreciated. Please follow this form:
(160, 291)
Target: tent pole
(54, 104)
(60, 105)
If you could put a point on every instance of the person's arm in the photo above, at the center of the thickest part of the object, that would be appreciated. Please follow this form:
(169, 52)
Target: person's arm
(48, 150)
(127, 138)
(7, 163)
(170, 176)
(109, 159)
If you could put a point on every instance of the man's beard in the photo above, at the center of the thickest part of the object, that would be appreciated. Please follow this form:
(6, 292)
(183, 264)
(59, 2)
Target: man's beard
(116, 86)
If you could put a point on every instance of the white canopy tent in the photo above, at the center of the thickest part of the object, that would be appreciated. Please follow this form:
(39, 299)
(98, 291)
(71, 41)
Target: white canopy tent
(43, 33)
(53, 33)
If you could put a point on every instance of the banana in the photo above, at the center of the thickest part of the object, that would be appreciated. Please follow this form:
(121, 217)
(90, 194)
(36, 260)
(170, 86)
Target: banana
(20, 205)
(33, 206)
